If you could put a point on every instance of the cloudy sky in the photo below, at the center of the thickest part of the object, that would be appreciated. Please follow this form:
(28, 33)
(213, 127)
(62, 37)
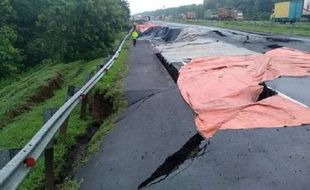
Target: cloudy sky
(138, 6)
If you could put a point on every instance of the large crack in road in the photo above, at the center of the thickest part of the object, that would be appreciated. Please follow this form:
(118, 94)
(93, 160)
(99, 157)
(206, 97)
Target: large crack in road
(189, 150)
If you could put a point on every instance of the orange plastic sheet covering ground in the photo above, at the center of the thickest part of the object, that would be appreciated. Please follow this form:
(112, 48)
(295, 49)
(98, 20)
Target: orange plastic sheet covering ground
(145, 26)
(223, 91)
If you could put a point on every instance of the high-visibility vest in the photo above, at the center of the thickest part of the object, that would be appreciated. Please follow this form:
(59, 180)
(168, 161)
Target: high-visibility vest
(134, 35)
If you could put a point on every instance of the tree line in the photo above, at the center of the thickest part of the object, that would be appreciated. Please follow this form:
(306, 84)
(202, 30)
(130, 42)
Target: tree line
(38, 31)
(252, 9)
(177, 12)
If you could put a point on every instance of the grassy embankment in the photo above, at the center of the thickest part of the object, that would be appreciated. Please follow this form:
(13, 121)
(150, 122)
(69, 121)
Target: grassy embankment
(297, 29)
(25, 98)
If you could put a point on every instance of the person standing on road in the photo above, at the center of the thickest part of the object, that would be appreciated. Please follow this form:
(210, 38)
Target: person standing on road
(134, 36)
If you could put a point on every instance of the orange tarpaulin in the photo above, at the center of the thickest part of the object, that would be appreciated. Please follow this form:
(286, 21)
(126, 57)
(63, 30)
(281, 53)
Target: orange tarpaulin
(223, 91)
(145, 26)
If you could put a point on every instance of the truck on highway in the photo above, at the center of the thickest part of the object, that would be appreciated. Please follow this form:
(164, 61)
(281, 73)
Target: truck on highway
(190, 15)
(229, 14)
(291, 11)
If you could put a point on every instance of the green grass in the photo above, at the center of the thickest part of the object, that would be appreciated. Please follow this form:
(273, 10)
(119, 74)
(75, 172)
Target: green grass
(112, 85)
(18, 92)
(297, 29)
(71, 185)
(17, 133)
(29, 122)
(20, 130)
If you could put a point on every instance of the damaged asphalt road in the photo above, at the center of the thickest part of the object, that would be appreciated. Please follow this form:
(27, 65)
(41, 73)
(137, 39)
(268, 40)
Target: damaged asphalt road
(224, 41)
(155, 145)
(293, 87)
(268, 159)
(155, 126)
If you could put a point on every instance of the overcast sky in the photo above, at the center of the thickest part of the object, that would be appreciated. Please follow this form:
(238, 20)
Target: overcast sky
(138, 6)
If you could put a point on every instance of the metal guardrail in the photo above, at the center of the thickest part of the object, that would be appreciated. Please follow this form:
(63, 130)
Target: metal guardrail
(16, 170)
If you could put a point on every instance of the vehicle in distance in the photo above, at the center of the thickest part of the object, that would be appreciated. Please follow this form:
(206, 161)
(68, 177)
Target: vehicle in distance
(291, 11)
(190, 15)
(229, 14)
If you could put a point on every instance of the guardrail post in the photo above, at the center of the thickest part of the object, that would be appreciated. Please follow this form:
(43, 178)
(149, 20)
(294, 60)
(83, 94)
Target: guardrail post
(63, 129)
(84, 106)
(49, 154)
(85, 97)
(49, 167)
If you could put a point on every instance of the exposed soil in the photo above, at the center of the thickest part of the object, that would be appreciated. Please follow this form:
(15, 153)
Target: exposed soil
(77, 152)
(41, 94)
(100, 109)
(47, 91)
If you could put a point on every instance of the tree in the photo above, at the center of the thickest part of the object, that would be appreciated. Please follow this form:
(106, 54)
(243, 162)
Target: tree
(10, 57)
(63, 30)
(76, 29)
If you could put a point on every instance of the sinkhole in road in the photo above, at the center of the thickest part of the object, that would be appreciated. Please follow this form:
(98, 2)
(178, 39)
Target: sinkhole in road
(274, 46)
(219, 33)
(266, 93)
(191, 149)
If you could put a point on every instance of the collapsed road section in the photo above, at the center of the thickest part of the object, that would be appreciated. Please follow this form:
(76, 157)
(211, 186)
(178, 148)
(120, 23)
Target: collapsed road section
(200, 41)
(155, 144)
(240, 77)
(265, 142)
(224, 91)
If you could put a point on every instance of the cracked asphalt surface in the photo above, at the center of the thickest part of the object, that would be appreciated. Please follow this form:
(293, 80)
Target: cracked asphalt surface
(156, 124)
(259, 159)
(293, 87)
(155, 144)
